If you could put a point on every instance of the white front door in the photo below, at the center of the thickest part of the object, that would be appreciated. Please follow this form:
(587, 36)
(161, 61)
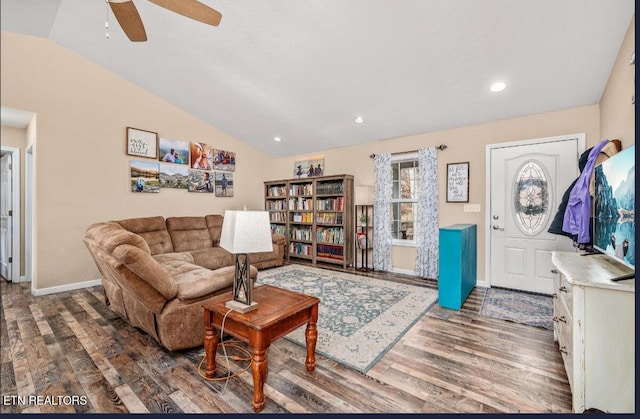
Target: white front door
(6, 222)
(527, 183)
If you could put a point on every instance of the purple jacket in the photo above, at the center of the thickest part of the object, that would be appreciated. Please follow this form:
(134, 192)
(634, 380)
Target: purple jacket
(577, 215)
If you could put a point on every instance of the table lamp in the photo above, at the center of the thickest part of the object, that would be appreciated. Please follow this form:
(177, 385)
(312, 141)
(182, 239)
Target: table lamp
(244, 232)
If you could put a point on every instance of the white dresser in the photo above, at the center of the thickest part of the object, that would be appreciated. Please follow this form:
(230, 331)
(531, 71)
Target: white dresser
(594, 325)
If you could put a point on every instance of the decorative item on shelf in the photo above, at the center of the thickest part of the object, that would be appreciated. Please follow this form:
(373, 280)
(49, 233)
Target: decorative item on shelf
(364, 219)
(244, 232)
(308, 168)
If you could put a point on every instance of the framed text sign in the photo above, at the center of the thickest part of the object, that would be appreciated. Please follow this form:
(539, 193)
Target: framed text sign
(458, 182)
(142, 143)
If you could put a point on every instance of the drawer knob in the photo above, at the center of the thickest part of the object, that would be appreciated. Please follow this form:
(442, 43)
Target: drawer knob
(564, 289)
(563, 349)
(559, 319)
(554, 271)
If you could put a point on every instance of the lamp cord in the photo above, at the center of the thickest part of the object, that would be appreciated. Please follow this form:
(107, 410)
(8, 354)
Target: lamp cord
(231, 344)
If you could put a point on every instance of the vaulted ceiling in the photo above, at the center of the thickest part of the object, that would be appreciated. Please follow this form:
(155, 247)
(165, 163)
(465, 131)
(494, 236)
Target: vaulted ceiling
(303, 69)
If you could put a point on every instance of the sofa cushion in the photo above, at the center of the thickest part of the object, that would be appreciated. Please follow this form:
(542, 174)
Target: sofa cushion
(188, 233)
(214, 225)
(213, 258)
(198, 282)
(146, 267)
(153, 230)
(111, 235)
(163, 258)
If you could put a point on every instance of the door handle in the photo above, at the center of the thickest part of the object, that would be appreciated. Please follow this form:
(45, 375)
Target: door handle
(496, 227)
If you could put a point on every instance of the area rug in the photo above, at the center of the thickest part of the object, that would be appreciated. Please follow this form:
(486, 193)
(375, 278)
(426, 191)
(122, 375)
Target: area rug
(519, 307)
(359, 318)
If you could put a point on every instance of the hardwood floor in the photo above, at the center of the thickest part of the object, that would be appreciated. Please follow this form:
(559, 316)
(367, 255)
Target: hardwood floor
(69, 344)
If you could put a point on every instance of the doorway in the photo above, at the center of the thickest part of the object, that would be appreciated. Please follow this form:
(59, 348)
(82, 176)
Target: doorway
(10, 214)
(527, 180)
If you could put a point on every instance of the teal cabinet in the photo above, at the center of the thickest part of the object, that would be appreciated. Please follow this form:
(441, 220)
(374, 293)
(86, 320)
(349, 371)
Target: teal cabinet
(457, 264)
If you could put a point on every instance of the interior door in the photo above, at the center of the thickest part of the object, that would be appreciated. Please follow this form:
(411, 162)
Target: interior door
(6, 223)
(527, 184)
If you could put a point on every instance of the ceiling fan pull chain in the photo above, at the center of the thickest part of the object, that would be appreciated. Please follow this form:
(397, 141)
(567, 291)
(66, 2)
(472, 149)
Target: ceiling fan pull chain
(106, 21)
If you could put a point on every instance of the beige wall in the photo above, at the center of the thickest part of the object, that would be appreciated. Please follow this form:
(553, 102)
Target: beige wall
(17, 138)
(463, 144)
(81, 168)
(617, 113)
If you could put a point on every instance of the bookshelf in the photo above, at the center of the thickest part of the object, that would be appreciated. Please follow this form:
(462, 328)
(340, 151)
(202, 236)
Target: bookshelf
(276, 203)
(315, 215)
(364, 237)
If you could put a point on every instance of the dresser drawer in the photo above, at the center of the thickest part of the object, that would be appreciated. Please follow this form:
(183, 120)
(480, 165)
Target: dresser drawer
(565, 290)
(564, 331)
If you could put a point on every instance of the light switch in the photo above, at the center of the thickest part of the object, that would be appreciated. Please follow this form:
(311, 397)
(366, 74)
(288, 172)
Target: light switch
(471, 207)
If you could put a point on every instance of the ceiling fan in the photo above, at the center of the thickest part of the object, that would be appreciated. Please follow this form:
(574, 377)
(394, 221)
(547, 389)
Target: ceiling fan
(129, 19)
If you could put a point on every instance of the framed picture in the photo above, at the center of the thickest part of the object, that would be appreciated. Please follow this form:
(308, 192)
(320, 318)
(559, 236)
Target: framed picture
(224, 160)
(142, 143)
(308, 168)
(201, 156)
(458, 182)
(174, 176)
(173, 151)
(200, 181)
(224, 184)
(145, 176)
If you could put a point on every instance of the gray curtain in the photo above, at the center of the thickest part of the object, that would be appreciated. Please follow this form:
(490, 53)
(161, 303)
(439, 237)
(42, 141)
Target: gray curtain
(382, 209)
(427, 246)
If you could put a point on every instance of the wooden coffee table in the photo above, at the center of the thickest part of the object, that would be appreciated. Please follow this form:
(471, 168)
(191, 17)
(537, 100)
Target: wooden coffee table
(279, 312)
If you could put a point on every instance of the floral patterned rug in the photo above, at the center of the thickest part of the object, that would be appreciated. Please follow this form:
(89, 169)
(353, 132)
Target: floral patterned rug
(519, 307)
(359, 318)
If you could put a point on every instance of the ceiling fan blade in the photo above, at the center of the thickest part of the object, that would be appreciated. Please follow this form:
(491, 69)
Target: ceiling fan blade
(129, 20)
(192, 9)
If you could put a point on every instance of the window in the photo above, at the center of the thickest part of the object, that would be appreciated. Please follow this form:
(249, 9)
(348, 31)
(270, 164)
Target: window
(531, 198)
(404, 198)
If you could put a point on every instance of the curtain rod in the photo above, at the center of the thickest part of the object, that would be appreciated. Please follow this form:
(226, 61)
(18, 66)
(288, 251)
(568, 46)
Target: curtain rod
(440, 147)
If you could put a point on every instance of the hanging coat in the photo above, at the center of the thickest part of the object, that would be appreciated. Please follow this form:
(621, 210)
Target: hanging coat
(577, 215)
(556, 224)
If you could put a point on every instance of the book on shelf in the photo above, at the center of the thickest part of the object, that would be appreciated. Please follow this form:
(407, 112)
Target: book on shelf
(361, 239)
(300, 249)
(278, 228)
(327, 188)
(276, 191)
(305, 189)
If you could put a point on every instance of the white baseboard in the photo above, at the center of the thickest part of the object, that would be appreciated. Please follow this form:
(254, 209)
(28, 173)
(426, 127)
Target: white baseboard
(22, 278)
(482, 284)
(479, 283)
(67, 287)
(403, 271)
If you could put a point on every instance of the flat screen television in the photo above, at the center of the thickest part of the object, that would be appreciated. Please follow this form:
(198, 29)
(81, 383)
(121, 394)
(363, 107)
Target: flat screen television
(614, 224)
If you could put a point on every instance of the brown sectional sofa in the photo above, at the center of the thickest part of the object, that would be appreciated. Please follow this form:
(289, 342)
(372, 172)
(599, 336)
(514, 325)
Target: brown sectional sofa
(158, 272)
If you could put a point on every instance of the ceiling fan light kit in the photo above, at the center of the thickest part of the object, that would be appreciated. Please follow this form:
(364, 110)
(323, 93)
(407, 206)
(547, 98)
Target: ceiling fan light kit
(131, 23)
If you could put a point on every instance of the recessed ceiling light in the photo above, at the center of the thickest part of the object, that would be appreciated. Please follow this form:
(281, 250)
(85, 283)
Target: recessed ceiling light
(498, 87)
(358, 120)
(277, 139)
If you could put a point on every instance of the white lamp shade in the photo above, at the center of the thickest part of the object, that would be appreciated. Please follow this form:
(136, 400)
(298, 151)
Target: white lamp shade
(246, 232)
(363, 195)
